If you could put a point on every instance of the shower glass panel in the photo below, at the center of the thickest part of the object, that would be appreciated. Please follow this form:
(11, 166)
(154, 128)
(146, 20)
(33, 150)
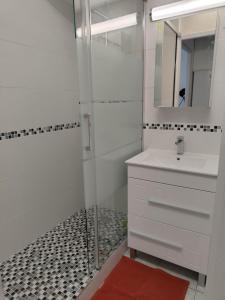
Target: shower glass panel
(117, 77)
(110, 39)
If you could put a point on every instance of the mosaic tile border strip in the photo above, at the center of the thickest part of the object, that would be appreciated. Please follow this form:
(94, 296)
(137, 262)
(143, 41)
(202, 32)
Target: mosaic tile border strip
(184, 127)
(39, 130)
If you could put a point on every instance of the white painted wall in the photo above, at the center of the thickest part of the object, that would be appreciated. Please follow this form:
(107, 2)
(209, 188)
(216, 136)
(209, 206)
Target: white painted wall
(195, 141)
(40, 176)
(215, 288)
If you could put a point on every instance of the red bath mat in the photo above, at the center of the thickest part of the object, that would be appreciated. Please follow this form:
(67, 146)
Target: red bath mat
(131, 280)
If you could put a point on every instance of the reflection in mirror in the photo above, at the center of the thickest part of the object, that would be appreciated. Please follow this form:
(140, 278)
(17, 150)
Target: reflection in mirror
(184, 61)
(196, 71)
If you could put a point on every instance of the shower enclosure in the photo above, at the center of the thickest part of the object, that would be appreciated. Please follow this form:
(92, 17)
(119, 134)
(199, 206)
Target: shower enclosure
(109, 39)
(56, 238)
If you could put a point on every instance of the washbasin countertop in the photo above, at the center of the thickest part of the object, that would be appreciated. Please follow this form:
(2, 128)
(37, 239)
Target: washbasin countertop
(197, 163)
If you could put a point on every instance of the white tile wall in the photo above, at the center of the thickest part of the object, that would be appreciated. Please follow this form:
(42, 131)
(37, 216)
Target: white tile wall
(40, 182)
(28, 108)
(111, 176)
(116, 125)
(199, 141)
(89, 169)
(194, 141)
(122, 67)
(40, 24)
(40, 175)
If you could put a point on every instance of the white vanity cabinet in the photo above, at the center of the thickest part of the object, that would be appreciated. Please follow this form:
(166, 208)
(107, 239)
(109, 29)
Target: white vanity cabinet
(170, 214)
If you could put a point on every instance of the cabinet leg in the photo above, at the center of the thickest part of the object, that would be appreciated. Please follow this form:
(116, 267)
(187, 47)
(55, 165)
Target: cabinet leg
(201, 280)
(133, 253)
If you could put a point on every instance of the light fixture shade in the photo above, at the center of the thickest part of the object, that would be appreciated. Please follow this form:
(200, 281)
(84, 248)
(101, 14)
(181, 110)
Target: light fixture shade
(111, 25)
(184, 7)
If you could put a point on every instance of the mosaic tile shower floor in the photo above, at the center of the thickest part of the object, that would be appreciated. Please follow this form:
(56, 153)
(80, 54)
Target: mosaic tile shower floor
(55, 266)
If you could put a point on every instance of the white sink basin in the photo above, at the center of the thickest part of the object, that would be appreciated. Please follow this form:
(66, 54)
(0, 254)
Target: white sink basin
(188, 162)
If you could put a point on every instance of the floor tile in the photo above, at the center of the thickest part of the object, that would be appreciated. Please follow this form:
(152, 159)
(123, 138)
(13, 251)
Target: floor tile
(59, 264)
(55, 265)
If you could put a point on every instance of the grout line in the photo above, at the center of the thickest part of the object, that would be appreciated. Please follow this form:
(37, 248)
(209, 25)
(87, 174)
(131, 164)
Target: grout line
(15, 42)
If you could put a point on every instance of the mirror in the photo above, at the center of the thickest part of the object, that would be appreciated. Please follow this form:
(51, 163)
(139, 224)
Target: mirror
(184, 61)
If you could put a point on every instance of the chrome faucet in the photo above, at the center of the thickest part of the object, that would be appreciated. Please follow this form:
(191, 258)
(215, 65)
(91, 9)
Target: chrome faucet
(180, 145)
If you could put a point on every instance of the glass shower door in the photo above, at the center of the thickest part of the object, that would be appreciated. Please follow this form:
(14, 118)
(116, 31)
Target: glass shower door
(117, 77)
(112, 47)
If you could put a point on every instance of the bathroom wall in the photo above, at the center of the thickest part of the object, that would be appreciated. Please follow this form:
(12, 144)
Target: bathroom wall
(201, 127)
(40, 141)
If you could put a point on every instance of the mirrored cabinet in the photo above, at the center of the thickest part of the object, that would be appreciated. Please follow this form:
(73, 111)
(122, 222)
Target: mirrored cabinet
(184, 61)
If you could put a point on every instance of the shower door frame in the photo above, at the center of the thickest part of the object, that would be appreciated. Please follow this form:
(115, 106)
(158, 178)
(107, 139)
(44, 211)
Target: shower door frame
(86, 111)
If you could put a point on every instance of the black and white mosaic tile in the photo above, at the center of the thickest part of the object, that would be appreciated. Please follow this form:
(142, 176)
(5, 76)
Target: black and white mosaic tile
(112, 231)
(184, 127)
(60, 264)
(39, 130)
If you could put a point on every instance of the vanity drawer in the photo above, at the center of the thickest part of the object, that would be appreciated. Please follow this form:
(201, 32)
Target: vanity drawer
(182, 207)
(182, 247)
(189, 180)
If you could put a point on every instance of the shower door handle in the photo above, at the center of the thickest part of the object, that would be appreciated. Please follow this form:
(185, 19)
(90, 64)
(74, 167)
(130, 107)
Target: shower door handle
(87, 116)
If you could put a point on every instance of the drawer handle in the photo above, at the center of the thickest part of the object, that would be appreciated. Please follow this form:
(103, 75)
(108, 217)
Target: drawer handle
(157, 240)
(189, 210)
